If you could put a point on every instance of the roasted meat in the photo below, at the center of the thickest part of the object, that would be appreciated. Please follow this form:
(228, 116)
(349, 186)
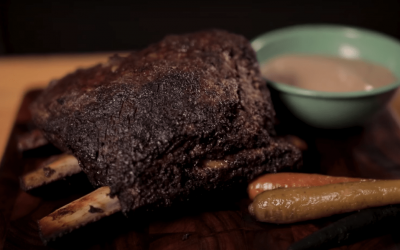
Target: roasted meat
(186, 115)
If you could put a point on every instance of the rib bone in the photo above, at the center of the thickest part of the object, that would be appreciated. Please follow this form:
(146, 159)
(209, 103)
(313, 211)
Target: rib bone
(62, 166)
(32, 139)
(87, 209)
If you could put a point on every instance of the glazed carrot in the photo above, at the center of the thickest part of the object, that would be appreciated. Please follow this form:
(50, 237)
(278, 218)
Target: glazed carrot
(285, 180)
(288, 205)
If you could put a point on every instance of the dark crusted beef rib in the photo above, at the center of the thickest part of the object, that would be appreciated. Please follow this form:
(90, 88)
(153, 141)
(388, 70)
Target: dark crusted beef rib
(146, 124)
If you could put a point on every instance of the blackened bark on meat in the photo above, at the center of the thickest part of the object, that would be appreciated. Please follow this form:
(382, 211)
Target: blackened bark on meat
(143, 124)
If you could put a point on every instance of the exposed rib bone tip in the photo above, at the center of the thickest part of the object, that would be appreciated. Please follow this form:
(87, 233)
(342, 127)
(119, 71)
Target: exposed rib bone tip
(60, 167)
(78, 213)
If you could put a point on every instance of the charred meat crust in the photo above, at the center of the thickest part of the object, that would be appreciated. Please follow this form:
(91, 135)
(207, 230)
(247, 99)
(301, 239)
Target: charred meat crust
(143, 123)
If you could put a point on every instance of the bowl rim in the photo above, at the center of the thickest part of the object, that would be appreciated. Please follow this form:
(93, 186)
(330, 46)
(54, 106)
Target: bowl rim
(275, 35)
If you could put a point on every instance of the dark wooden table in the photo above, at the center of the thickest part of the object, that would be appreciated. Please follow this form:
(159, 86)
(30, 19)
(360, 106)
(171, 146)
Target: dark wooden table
(372, 151)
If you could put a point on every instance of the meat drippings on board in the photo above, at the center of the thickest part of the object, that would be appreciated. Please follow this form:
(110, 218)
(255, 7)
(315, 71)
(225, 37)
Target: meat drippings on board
(144, 124)
(326, 73)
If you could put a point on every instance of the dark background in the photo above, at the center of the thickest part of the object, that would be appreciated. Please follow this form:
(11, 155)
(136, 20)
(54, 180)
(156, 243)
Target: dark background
(46, 26)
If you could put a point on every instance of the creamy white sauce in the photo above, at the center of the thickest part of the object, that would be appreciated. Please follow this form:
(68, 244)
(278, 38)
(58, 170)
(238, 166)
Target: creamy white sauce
(325, 73)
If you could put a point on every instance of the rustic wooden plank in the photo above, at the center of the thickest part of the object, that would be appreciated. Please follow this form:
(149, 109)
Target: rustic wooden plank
(10, 169)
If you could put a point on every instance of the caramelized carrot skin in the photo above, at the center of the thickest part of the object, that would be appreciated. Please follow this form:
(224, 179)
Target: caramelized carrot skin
(288, 205)
(285, 180)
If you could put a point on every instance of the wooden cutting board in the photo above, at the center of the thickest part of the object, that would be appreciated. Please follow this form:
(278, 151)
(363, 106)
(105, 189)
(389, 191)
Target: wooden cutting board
(372, 151)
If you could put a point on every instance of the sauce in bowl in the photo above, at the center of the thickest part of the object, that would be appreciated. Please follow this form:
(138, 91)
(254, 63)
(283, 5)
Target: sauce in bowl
(326, 73)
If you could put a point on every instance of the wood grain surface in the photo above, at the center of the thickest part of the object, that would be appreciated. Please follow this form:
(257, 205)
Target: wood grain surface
(220, 222)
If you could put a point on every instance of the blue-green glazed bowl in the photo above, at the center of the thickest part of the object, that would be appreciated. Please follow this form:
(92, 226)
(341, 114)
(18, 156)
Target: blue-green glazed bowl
(332, 110)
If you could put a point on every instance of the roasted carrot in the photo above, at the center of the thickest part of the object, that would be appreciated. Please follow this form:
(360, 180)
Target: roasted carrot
(287, 205)
(285, 180)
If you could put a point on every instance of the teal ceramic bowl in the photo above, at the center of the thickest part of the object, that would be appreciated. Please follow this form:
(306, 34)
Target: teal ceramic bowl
(332, 110)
